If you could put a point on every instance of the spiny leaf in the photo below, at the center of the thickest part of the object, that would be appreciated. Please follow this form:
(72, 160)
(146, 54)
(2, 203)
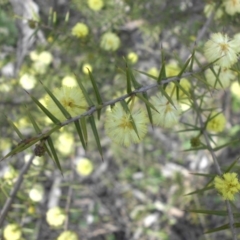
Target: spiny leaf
(80, 134)
(85, 94)
(126, 109)
(83, 125)
(95, 133)
(128, 77)
(200, 191)
(58, 103)
(192, 60)
(212, 212)
(20, 135)
(54, 154)
(34, 123)
(47, 113)
(223, 227)
(96, 91)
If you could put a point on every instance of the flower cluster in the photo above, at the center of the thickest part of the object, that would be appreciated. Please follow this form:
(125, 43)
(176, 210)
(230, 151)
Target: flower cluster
(227, 186)
(80, 30)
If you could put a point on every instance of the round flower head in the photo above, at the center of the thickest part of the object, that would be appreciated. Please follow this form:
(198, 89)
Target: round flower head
(110, 41)
(80, 30)
(232, 6)
(72, 100)
(12, 232)
(95, 5)
(84, 167)
(227, 186)
(119, 126)
(36, 193)
(132, 57)
(55, 217)
(216, 122)
(68, 235)
(221, 47)
(167, 115)
(220, 78)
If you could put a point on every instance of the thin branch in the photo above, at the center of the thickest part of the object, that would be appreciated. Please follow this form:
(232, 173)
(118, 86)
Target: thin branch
(14, 191)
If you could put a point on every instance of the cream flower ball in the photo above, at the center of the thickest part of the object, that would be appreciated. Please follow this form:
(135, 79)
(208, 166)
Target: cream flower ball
(84, 167)
(110, 41)
(55, 217)
(12, 232)
(167, 115)
(119, 125)
(221, 47)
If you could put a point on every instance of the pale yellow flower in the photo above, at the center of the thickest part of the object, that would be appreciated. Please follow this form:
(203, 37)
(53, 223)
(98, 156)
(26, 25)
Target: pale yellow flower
(220, 78)
(232, 6)
(119, 126)
(86, 67)
(68, 235)
(55, 217)
(84, 167)
(12, 232)
(36, 194)
(72, 100)
(221, 47)
(110, 41)
(217, 122)
(167, 115)
(95, 5)
(235, 89)
(227, 186)
(132, 57)
(80, 30)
